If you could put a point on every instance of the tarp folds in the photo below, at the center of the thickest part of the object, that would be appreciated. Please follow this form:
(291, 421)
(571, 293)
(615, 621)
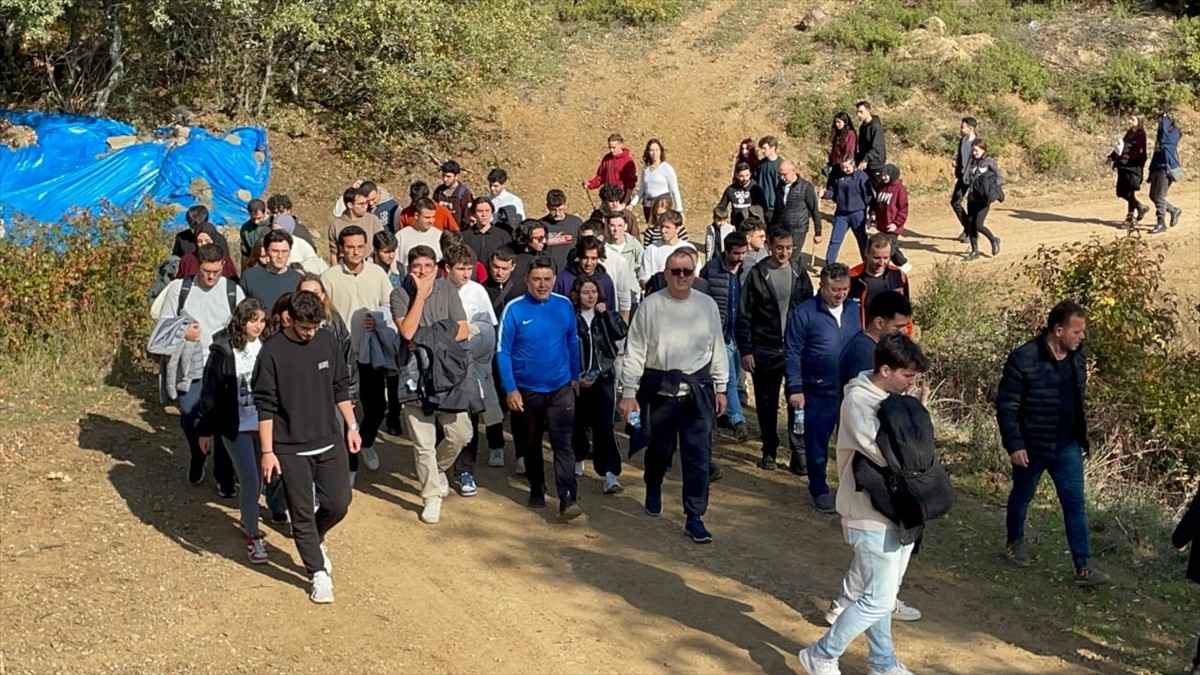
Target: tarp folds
(82, 162)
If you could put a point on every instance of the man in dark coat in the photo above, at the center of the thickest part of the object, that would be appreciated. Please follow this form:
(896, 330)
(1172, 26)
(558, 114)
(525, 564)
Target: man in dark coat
(1188, 532)
(1042, 418)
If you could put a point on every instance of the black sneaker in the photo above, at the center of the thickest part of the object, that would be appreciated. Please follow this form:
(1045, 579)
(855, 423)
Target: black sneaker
(1090, 576)
(279, 518)
(1158, 229)
(715, 473)
(537, 500)
(1016, 555)
(1175, 221)
(740, 433)
(570, 510)
(654, 502)
(696, 530)
(723, 422)
(1142, 210)
(996, 247)
(227, 491)
(394, 428)
(799, 465)
(196, 471)
(767, 464)
(973, 255)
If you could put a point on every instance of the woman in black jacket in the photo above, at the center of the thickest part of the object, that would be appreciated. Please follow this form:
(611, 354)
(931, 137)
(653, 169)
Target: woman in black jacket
(227, 408)
(983, 179)
(1188, 533)
(1129, 161)
(600, 336)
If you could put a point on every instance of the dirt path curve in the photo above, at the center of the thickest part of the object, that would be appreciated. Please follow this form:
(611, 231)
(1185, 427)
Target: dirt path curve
(109, 562)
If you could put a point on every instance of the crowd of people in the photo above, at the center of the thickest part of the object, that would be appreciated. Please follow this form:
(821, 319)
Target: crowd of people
(441, 319)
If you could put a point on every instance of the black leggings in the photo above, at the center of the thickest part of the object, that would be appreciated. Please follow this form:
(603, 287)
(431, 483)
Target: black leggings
(976, 215)
(1133, 202)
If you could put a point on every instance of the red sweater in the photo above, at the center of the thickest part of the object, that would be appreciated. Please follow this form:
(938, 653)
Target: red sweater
(619, 170)
(891, 207)
(845, 148)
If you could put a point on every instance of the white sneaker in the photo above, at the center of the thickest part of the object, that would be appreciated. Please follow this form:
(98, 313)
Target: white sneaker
(835, 610)
(906, 267)
(327, 564)
(496, 459)
(897, 669)
(432, 512)
(905, 613)
(353, 475)
(815, 665)
(322, 589)
(520, 466)
(370, 458)
(612, 486)
(444, 488)
(580, 469)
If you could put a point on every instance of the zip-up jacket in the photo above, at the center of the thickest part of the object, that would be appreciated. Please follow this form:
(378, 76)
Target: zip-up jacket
(1028, 400)
(532, 336)
(721, 290)
(797, 209)
(1166, 146)
(759, 328)
(812, 347)
(850, 193)
(599, 343)
(864, 288)
(217, 411)
(872, 147)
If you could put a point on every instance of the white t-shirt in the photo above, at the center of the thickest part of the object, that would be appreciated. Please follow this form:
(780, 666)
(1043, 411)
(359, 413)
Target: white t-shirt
(244, 360)
(837, 313)
(655, 259)
(410, 237)
(506, 198)
(476, 303)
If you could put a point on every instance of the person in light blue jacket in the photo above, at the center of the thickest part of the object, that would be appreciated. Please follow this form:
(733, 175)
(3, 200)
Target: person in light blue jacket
(539, 365)
(1165, 169)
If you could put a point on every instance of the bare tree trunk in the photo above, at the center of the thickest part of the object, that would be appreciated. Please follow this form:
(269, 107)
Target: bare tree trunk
(116, 60)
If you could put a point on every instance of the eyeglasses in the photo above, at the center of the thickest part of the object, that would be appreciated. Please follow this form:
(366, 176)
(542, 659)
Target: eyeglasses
(541, 238)
(682, 271)
(210, 273)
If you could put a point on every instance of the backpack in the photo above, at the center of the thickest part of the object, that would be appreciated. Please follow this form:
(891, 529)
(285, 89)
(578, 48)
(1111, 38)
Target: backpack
(914, 488)
(166, 270)
(508, 219)
(186, 288)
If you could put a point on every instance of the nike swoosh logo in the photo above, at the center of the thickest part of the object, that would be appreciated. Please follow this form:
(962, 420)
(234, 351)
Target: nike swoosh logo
(526, 322)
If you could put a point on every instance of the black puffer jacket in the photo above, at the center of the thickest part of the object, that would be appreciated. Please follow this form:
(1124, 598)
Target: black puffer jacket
(1027, 404)
(599, 344)
(717, 276)
(759, 326)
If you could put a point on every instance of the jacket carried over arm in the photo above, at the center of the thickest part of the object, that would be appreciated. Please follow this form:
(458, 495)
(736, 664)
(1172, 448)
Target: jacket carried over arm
(1028, 400)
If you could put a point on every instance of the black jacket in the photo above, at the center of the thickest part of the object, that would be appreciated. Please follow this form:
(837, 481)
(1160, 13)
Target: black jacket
(599, 344)
(484, 244)
(217, 412)
(871, 147)
(719, 278)
(795, 211)
(441, 367)
(759, 326)
(1188, 532)
(341, 333)
(702, 395)
(504, 293)
(1027, 403)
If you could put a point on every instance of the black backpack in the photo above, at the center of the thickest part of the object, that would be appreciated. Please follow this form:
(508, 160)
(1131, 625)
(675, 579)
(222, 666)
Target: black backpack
(507, 219)
(186, 288)
(914, 488)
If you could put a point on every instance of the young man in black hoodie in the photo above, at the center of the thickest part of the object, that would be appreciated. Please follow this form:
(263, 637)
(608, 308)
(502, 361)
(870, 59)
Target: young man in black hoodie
(300, 379)
(871, 152)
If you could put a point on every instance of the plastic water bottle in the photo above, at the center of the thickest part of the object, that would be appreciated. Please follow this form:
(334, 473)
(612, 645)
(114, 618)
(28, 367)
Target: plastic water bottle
(798, 423)
(635, 419)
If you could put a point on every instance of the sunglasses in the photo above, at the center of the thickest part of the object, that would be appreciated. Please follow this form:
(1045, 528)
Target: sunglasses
(682, 271)
(542, 238)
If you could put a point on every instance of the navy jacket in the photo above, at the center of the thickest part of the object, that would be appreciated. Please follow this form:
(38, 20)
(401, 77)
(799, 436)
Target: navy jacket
(721, 284)
(566, 279)
(850, 193)
(857, 355)
(812, 346)
(1027, 403)
(1166, 146)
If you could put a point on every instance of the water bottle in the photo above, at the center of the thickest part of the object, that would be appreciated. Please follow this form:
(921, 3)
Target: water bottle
(635, 419)
(798, 423)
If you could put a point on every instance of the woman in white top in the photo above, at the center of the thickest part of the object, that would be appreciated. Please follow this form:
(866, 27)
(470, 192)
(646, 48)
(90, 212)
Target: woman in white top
(658, 179)
(227, 408)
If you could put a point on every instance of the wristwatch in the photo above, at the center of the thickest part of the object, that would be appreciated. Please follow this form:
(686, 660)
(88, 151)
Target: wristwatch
(354, 427)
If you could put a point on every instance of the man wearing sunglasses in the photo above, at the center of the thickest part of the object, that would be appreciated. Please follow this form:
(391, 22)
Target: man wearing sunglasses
(674, 377)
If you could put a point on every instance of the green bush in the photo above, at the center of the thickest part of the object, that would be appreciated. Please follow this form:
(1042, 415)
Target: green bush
(876, 26)
(1010, 127)
(1049, 156)
(1128, 82)
(1185, 54)
(880, 78)
(810, 114)
(909, 128)
(629, 12)
(103, 267)
(1006, 67)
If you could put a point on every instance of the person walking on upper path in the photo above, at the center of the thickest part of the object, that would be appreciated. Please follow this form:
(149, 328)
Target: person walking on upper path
(674, 377)
(852, 193)
(870, 152)
(962, 182)
(985, 181)
(890, 210)
(617, 167)
(767, 173)
(1129, 163)
(1165, 170)
(741, 194)
(1042, 414)
(816, 331)
(843, 142)
(772, 289)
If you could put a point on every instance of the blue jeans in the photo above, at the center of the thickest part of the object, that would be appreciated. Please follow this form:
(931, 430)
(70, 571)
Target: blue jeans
(820, 417)
(1066, 470)
(856, 222)
(734, 408)
(243, 451)
(879, 561)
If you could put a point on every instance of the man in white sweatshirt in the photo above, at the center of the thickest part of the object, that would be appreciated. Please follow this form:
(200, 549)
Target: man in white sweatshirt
(880, 560)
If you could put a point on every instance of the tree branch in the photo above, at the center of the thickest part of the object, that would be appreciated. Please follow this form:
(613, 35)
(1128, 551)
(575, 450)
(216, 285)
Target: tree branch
(116, 59)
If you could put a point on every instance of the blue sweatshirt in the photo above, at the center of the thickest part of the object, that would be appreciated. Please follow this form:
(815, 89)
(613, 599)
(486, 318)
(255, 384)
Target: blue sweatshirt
(812, 346)
(851, 193)
(539, 344)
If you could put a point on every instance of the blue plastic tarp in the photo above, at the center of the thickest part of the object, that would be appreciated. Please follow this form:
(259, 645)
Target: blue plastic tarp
(72, 168)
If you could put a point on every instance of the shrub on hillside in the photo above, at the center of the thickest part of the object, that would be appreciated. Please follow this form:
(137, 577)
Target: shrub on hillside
(1006, 67)
(879, 78)
(1048, 157)
(877, 26)
(630, 12)
(1131, 82)
(103, 266)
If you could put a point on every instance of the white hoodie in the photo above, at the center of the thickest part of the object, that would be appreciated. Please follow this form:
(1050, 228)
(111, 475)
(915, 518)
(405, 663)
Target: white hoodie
(856, 433)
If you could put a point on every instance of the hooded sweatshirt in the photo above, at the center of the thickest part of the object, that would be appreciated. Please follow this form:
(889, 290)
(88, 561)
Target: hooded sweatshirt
(618, 170)
(856, 433)
(891, 202)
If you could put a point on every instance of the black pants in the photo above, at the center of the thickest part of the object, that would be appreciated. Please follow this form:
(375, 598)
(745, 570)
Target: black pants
(393, 402)
(1132, 200)
(470, 452)
(372, 389)
(675, 419)
(976, 215)
(329, 473)
(595, 409)
(553, 412)
(956, 203)
(898, 258)
(767, 384)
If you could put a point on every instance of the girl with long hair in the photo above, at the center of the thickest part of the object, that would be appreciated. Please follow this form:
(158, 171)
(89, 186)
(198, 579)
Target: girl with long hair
(843, 142)
(747, 152)
(1129, 161)
(1165, 169)
(600, 333)
(658, 179)
(227, 408)
(983, 180)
